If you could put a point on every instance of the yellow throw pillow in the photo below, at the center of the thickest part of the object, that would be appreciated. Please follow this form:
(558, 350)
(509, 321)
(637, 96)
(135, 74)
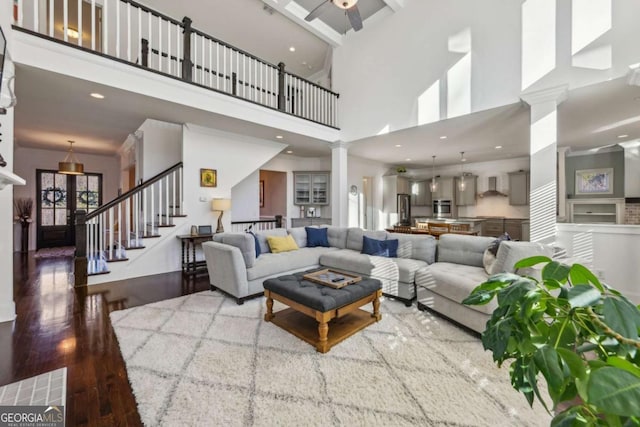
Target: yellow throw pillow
(281, 244)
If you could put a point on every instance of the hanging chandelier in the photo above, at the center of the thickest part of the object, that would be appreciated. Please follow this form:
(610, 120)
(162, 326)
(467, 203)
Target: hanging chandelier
(462, 185)
(434, 183)
(70, 165)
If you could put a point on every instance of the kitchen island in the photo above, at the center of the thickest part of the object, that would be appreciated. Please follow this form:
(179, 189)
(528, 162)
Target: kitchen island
(494, 226)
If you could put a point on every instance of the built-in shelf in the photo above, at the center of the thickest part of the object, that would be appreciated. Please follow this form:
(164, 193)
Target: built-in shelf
(10, 178)
(588, 211)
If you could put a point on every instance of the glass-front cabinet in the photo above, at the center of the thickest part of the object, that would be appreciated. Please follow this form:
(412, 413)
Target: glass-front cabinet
(311, 188)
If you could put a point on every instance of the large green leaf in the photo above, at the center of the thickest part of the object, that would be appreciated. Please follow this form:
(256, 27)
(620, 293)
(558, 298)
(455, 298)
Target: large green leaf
(569, 418)
(583, 296)
(555, 271)
(546, 358)
(484, 293)
(496, 337)
(574, 362)
(531, 261)
(515, 292)
(614, 391)
(621, 363)
(621, 316)
(581, 275)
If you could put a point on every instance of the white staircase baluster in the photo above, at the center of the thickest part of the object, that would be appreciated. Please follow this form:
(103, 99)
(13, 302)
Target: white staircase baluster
(149, 33)
(139, 41)
(152, 200)
(173, 195)
(128, 32)
(105, 18)
(128, 220)
(166, 200)
(50, 18)
(118, 28)
(79, 21)
(169, 26)
(93, 24)
(159, 216)
(36, 15)
(111, 226)
(120, 223)
(65, 20)
(178, 67)
(181, 193)
(159, 43)
(136, 217)
(144, 202)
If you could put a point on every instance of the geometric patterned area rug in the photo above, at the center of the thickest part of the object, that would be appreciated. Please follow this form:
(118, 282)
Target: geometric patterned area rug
(62, 251)
(49, 388)
(201, 359)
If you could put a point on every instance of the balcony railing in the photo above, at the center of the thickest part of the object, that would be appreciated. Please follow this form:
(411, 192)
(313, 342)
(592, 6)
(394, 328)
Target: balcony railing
(135, 34)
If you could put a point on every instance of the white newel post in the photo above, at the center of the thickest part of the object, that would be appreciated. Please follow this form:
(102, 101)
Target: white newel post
(339, 181)
(543, 161)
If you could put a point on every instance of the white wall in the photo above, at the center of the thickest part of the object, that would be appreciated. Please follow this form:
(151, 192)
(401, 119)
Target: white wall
(7, 307)
(27, 160)
(434, 59)
(245, 197)
(592, 245)
(489, 206)
(358, 169)
(161, 147)
(235, 157)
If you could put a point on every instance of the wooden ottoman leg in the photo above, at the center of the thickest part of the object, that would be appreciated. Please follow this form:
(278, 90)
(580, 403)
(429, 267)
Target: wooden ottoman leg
(269, 314)
(323, 331)
(376, 306)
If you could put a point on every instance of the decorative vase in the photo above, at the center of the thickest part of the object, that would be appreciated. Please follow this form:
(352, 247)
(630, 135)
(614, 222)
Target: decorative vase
(24, 238)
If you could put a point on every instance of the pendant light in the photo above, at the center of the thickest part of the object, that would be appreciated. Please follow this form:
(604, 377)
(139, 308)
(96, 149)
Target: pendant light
(434, 183)
(70, 165)
(462, 185)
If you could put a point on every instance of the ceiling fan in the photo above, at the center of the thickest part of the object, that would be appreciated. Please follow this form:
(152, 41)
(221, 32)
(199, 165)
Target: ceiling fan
(348, 5)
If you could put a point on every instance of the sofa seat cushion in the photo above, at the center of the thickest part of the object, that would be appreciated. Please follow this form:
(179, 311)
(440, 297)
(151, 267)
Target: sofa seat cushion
(269, 264)
(399, 269)
(455, 282)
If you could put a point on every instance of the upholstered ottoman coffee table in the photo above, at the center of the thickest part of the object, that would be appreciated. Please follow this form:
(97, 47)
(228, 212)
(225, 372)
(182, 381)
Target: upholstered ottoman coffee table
(321, 315)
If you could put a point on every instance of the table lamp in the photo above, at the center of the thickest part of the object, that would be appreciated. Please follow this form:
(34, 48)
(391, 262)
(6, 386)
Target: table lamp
(220, 205)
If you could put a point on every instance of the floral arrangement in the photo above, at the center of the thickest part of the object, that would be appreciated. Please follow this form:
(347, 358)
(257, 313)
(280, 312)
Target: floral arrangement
(24, 207)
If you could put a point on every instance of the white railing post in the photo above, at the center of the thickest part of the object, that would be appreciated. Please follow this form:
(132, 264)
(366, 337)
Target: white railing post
(110, 240)
(105, 28)
(166, 200)
(128, 221)
(93, 24)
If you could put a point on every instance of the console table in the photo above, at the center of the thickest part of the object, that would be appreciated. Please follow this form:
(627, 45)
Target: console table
(190, 266)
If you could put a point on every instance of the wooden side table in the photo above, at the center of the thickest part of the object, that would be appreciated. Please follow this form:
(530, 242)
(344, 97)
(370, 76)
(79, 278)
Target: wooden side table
(190, 266)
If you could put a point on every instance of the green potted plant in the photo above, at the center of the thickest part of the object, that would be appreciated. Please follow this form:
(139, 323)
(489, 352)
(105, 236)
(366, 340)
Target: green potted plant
(578, 333)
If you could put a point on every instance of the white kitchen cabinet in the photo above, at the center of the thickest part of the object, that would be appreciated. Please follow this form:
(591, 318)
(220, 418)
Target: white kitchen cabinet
(468, 196)
(420, 193)
(444, 189)
(519, 188)
(590, 211)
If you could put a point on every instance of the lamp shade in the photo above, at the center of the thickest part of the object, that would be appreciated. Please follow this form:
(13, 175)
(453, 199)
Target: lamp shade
(70, 165)
(220, 204)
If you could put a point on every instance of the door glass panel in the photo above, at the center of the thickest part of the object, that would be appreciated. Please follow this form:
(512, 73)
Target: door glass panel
(47, 216)
(60, 191)
(61, 217)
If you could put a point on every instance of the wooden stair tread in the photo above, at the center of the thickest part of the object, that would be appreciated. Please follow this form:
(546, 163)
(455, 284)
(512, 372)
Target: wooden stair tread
(97, 273)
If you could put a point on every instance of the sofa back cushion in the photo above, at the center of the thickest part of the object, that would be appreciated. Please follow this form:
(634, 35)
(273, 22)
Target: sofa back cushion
(463, 249)
(417, 246)
(510, 252)
(299, 234)
(355, 235)
(262, 237)
(385, 248)
(337, 237)
(243, 241)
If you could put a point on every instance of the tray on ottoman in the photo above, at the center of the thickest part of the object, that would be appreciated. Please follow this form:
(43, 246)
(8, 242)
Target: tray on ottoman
(331, 278)
(321, 315)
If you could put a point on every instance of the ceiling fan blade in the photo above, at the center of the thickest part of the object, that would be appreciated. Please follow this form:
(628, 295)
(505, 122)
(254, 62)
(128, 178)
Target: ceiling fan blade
(317, 11)
(354, 17)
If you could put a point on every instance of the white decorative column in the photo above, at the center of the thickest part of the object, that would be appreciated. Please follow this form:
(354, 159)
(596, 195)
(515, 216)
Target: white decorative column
(339, 184)
(543, 160)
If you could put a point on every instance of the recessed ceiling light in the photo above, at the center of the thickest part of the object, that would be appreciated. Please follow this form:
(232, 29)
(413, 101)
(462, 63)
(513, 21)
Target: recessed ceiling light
(279, 136)
(463, 159)
(289, 152)
(407, 160)
(623, 136)
(398, 145)
(292, 49)
(443, 137)
(97, 95)
(498, 147)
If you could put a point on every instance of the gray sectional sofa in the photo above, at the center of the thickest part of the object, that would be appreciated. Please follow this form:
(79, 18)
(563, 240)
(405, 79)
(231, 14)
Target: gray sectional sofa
(441, 273)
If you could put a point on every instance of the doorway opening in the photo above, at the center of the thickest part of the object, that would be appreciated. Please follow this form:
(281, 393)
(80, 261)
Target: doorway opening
(273, 194)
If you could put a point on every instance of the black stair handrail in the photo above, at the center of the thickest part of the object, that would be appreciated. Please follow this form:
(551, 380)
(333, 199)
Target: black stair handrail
(133, 191)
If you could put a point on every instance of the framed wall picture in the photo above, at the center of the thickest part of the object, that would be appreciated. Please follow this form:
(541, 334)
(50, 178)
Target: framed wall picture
(262, 193)
(594, 181)
(208, 178)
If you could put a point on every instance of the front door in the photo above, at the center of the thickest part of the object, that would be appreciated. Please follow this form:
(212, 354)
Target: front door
(59, 196)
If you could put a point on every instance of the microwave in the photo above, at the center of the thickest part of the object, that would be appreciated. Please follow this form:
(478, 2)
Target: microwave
(442, 208)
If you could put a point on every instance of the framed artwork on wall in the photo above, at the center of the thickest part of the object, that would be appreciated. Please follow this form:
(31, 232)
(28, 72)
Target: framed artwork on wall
(594, 181)
(262, 193)
(208, 178)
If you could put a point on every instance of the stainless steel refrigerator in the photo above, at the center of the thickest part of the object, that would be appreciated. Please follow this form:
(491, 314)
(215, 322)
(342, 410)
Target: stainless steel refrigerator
(404, 209)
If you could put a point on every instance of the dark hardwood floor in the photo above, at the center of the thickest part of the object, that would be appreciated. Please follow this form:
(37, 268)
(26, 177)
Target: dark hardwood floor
(58, 326)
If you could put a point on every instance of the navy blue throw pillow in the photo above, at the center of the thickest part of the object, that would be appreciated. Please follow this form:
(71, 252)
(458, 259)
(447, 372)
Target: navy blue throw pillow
(255, 238)
(317, 237)
(385, 248)
(493, 246)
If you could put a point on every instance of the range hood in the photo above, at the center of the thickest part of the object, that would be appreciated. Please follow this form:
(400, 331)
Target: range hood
(492, 192)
